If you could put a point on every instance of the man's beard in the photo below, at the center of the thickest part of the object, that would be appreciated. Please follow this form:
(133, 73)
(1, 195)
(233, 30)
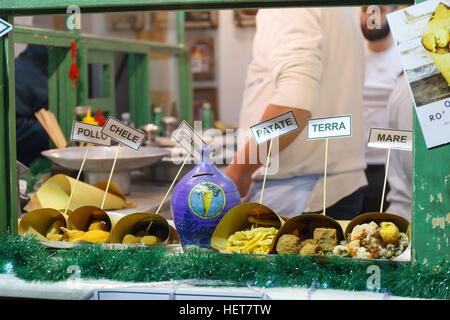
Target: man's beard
(375, 34)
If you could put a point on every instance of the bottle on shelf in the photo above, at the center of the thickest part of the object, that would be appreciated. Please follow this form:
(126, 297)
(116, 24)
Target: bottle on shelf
(207, 116)
(157, 117)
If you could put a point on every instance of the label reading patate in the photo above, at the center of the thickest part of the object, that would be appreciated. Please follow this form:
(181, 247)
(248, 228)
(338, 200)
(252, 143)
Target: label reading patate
(274, 127)
(329, 127)
(390, 139)
(85, 132)
(189, 140)
(124, 134)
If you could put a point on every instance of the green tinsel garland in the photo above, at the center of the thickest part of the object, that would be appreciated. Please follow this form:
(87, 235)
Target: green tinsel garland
(30, 261)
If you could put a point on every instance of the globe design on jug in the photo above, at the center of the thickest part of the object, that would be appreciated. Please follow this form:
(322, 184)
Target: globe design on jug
(207, 200)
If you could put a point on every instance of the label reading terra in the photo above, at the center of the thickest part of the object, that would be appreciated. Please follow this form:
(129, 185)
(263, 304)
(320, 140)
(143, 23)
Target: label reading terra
(124, 134)
(89, 133)
(330, 127)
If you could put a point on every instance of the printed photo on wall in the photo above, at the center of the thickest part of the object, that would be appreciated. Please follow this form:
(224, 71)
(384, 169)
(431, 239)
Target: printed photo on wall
(202, 58)
(421, 33)
(245, 18)
(201, 19)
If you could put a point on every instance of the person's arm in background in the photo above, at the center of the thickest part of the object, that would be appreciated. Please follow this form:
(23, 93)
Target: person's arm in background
(241, 173)
(296, 67)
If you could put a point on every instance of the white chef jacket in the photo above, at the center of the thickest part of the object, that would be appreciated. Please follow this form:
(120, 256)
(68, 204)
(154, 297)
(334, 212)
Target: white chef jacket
(399, 175)
(382, 70)
(312, 59)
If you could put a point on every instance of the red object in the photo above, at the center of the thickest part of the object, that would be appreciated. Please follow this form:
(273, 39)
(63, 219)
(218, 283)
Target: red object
(74, 72)
(100, 118)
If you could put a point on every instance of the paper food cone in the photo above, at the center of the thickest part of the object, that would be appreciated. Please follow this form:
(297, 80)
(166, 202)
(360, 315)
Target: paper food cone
(81, 218)
(305, 224)
(139, 221)
(174, 237)
(55, 193)
(402, 224)
(435, 39)
(237, 219)
(38, 221)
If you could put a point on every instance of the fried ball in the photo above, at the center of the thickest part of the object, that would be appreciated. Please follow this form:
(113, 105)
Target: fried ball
(309, 249)
(288, 244)
(149, 240)
(389, 232)
(129, 238)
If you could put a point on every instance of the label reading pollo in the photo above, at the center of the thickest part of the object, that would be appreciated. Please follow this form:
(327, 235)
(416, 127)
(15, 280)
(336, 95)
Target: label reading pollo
(89, 133)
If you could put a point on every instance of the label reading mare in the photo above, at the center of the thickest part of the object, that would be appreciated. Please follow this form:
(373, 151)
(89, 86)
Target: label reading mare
(389, 138)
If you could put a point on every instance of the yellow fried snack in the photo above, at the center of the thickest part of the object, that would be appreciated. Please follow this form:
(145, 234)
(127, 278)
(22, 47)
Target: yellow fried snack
(98, 225)
(149, 240)
(95, 236)
(54, 231)
(55, 237)
(72, 235)
(255, 240)
(129, 238)
(389, 232)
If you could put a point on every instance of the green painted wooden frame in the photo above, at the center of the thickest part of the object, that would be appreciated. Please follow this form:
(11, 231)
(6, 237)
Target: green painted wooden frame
(431, 168)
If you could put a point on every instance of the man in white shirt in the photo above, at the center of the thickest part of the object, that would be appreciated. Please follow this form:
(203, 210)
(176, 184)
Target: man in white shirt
(382, 69)
(399, 116)
(309, 61)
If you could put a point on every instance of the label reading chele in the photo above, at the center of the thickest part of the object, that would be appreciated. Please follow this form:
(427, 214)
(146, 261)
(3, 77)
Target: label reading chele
(389, 138)
(85, 132)
(274, 127)
(124, 134)
(329, 127)
(189, 140)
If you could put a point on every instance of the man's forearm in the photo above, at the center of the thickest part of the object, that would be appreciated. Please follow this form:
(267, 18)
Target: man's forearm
(244, 165)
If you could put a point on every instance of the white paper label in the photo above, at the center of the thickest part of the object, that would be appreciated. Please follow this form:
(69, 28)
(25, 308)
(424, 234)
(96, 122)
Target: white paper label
(85, 132)
(329, 127)
(189, 140)
(389, 138)
(5, 27)
(274, 127)
(121, 133)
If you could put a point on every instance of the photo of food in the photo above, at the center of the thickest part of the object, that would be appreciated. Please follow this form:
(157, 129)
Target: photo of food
(421, 33)
(423, 39)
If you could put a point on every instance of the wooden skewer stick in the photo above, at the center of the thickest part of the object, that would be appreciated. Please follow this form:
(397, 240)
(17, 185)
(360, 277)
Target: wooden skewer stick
(325, 178)
(110, 176)
(265, 172)
(78, 178)
(173, 182)
(170, 189)
(385, 179)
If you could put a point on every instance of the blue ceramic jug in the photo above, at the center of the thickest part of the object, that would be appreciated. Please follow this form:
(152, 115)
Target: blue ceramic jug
(200, 199)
